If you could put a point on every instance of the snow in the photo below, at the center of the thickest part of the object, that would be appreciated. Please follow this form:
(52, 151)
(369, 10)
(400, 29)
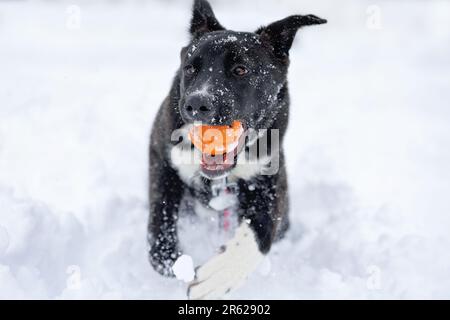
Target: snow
(226, 40)
(367, 148)
(183, 268)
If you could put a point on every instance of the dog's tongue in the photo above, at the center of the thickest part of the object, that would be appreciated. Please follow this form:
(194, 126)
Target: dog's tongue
(218, 162)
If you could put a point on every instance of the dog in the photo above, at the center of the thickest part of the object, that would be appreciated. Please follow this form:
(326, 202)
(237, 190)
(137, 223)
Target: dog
(224, 76)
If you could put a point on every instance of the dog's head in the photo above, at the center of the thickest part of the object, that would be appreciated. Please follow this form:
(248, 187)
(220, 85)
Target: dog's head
(227, 75)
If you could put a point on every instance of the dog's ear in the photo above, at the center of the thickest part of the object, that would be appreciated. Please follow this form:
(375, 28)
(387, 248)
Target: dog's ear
(280, 34)
(203, 19)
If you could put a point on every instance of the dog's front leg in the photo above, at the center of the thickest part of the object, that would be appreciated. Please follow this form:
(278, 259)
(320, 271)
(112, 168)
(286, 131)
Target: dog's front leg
(261, 206)
(227, 271)
(166, 192)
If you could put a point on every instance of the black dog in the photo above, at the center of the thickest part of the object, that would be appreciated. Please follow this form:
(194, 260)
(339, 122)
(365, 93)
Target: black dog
(224, 76)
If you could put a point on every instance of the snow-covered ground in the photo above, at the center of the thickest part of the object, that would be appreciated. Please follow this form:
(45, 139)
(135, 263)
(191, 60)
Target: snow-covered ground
(368, 147)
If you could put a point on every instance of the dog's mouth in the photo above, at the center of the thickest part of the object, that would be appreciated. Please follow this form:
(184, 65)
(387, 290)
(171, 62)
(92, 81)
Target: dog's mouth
(217, 159)
(214, 166)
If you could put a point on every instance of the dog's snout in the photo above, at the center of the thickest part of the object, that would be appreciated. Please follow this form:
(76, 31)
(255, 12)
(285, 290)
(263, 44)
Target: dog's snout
(197, 108)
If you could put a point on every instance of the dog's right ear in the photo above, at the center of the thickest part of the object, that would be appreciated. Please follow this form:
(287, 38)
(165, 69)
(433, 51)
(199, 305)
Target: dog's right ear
(203, 19)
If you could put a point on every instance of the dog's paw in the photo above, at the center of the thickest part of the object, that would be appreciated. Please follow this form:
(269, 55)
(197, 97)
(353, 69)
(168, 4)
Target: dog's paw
(228, 270)
(162, 259)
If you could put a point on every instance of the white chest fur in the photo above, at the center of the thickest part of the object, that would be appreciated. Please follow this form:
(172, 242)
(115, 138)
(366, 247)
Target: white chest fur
(187, 161)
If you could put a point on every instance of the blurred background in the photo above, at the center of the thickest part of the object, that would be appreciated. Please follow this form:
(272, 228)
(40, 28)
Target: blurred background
(367, 149)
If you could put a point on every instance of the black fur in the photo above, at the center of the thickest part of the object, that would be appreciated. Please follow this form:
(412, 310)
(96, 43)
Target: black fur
(259, 99)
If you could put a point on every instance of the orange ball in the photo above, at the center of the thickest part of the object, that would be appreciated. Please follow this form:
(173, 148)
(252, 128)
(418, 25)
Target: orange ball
(216, 139)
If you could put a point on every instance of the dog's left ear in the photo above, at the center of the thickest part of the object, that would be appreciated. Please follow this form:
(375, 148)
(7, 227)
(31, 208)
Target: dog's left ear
(281, 34)
(203, 19)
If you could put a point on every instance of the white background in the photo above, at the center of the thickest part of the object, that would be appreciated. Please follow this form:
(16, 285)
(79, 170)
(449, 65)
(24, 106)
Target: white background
(367, 149)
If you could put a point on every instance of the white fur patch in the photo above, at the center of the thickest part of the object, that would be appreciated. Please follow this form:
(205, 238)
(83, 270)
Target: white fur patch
(247, 170)
(229, 269)
(203, 212)
(186, 161)
(223, 201)
(182, 157)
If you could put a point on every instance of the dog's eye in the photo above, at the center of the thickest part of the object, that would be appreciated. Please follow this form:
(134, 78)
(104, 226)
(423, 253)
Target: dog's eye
(240, 71)
(189, 69)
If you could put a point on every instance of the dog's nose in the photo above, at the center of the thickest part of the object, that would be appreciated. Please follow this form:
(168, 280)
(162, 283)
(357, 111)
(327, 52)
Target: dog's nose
(198, 108)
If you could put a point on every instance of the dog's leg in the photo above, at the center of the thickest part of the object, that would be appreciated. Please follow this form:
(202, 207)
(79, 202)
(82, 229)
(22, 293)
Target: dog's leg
(263, 204)
(229, 269)
(166, 192)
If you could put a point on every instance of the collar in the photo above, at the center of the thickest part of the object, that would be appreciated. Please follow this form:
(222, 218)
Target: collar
(223, 185)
